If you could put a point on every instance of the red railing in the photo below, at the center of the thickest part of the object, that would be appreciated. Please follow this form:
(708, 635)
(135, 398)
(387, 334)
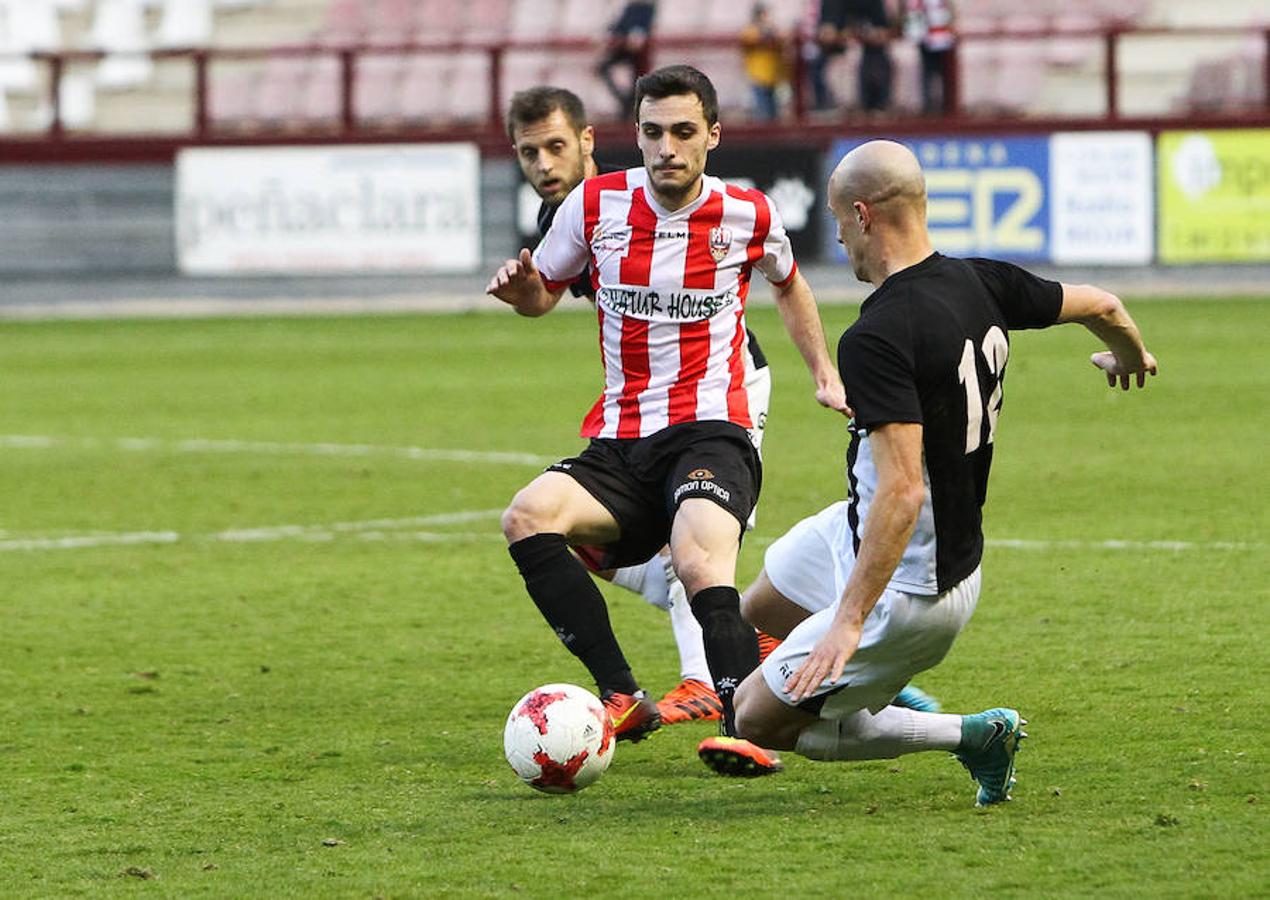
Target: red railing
(349, 126)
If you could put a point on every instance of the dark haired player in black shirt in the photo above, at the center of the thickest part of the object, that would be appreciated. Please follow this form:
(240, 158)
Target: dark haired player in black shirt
(875, 589)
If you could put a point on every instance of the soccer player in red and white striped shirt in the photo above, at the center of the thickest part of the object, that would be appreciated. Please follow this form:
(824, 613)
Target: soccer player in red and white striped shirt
(672, 254)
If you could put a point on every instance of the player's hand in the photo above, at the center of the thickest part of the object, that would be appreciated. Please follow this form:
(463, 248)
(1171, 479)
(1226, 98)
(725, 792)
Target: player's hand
(1116, 371)
(516, 281)
(826, 660)
(832, 395)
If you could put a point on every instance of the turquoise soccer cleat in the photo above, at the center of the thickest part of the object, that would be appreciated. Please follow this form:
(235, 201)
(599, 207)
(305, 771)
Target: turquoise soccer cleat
(989, 741)
(914, 698)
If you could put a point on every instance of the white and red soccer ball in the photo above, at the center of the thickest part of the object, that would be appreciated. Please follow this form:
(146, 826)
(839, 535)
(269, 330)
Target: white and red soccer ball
(559, 738)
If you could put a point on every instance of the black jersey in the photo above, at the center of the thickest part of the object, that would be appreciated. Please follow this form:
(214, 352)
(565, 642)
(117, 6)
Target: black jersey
(930, 347)
(582, 287)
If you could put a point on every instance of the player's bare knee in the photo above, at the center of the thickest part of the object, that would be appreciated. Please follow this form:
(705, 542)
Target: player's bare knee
(523, 517)
(694, 570)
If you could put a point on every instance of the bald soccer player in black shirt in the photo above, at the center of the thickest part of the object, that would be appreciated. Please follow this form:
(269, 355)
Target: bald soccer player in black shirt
(875, 588)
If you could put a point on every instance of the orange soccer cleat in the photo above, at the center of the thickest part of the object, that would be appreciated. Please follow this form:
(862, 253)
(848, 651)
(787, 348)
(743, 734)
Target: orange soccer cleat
(634, 716)
(738, 757)
(766, 644)
(689, 701)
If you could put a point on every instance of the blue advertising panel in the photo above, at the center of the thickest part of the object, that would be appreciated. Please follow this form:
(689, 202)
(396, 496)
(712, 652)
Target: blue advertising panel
(987, 196)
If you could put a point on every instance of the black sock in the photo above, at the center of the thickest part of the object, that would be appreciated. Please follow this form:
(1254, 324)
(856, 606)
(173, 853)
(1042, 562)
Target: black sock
(731, 645)
(573, 606)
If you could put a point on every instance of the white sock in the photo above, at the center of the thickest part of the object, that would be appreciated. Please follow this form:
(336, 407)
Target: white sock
(648, 580)
(630, 577)
(892, 732)
(692, 652)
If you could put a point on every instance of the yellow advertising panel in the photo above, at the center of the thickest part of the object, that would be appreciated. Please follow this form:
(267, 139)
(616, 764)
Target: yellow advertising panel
(1214, 196)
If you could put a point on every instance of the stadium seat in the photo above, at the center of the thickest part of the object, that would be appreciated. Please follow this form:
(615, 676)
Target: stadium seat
(582, 19)
(978, 62)
(680, 19)
(467, 99)
(723, 66)
(119, 29)
(526, 68)
(1018, 79)
(1069, 52)
(231, 97)
(486, 20)
(1252, 72)
(439, 20)
(725, 17)
(377, 86)
(33, 24)
(393, 22)
(320, 100)
(17, 72)
(534, 19)
(185, 23)
(424, 88)
(281, 86)
(25, 26)
(906, 94)
(77, 100)
(344, 23)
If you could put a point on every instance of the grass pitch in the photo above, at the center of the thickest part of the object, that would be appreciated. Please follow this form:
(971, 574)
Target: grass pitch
(261, 633)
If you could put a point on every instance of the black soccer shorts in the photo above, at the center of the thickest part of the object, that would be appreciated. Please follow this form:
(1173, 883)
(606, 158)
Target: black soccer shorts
(642, 481)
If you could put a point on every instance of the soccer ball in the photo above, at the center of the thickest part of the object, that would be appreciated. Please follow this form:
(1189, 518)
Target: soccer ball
(559, 738)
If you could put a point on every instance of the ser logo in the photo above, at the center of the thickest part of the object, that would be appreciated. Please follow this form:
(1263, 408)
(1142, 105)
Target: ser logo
(979, 202)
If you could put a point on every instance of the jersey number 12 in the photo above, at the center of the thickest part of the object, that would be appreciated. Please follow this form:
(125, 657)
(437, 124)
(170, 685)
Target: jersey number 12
(996, 350)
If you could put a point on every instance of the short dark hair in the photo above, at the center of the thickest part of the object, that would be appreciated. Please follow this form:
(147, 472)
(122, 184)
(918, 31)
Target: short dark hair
(672, 81)
(536, 103)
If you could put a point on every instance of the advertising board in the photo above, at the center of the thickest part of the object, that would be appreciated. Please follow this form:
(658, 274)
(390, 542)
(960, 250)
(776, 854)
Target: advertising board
(393, 207)
(986, 196)
(1101, 198)
(1214, 190)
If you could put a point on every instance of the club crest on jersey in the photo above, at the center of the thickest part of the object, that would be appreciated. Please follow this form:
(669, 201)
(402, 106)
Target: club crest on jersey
(720, 243)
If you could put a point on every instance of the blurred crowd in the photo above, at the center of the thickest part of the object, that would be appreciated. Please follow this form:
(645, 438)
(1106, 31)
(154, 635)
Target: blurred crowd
(773, 57)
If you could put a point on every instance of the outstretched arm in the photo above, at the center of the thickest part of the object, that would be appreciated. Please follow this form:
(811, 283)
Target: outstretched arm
(897, 454)
(519, 284)
(802, 321)
(1103, 314)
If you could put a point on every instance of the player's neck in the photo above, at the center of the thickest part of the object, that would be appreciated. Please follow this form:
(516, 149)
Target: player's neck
(589, 168)
(897, 257)
(677, 201)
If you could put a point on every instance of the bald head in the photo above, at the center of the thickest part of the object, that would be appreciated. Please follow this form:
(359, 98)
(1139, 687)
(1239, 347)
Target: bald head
(877, 195)
(882, 174)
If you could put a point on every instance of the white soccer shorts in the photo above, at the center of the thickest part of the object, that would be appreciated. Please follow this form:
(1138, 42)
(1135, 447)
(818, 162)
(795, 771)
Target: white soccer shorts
(903, 635)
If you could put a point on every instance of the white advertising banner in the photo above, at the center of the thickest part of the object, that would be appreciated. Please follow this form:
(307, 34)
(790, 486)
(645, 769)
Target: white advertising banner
(295, 210)
(1101, 195)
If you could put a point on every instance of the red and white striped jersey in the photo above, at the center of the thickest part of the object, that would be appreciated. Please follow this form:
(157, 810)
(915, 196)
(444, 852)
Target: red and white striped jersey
(670, 291)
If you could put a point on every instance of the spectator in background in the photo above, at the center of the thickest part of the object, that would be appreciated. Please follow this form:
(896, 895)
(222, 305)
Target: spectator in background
(831, 37)
(627, 47)
(929, 23)
(871, 24)
(763, 52)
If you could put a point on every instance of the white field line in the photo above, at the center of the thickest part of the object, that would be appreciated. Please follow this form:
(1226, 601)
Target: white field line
(271, 448)
(370, 529)
(408, 530)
